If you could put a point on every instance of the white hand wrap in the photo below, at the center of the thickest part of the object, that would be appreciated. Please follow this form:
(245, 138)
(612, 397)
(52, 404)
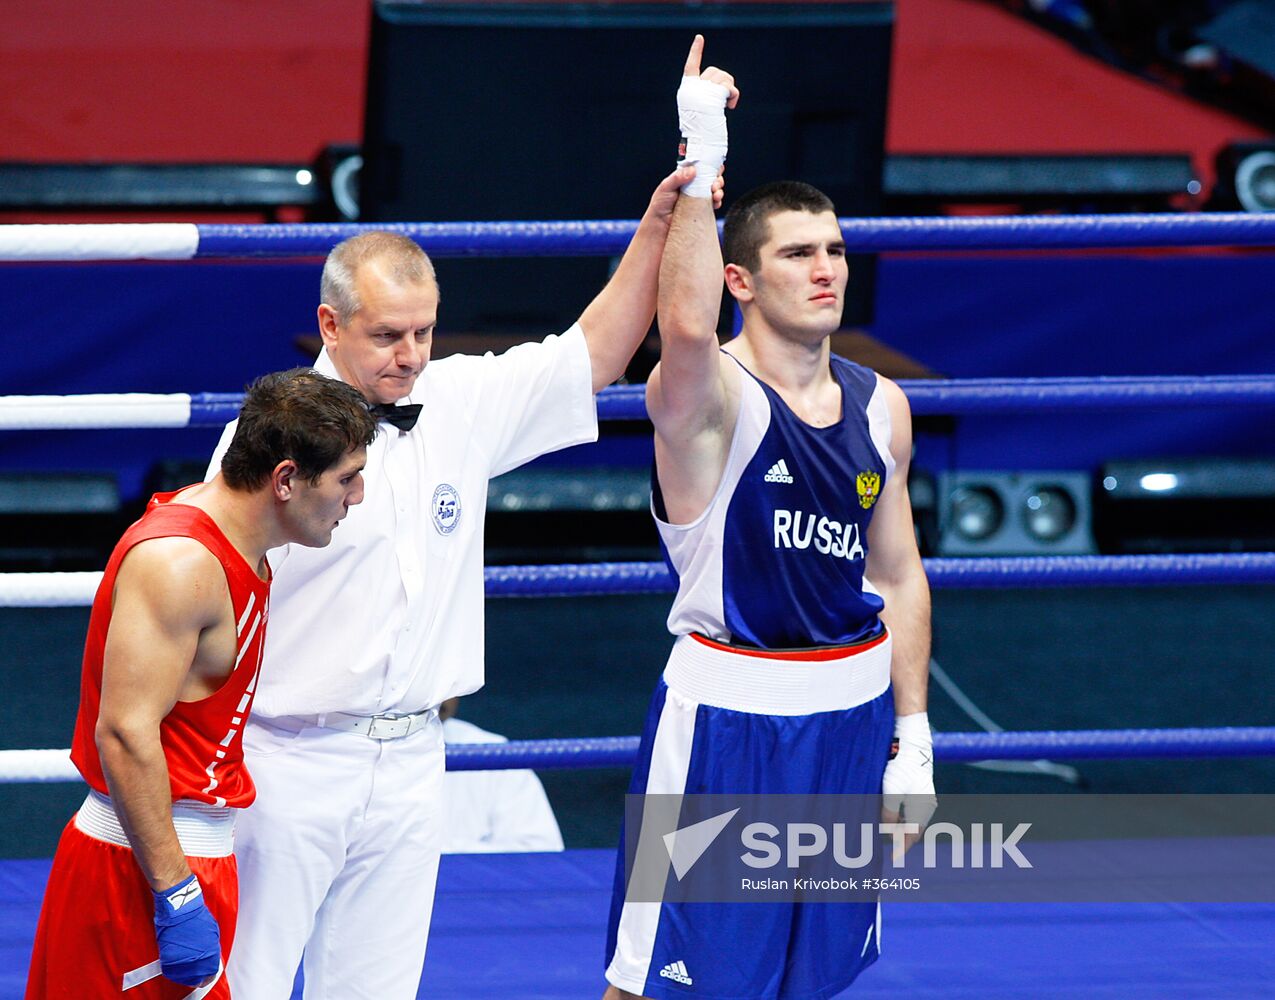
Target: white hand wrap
(908, 785)
(701, 113)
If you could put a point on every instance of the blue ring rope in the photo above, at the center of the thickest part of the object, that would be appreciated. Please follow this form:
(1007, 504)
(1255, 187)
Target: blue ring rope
(1083, 744)
(599, 579)
(603, 238)
(963, 396)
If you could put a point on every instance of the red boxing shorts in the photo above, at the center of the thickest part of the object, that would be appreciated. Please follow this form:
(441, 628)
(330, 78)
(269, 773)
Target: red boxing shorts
(96, 936)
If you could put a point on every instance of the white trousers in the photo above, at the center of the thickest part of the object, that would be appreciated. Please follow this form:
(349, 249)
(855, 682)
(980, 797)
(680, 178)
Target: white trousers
(338, 858)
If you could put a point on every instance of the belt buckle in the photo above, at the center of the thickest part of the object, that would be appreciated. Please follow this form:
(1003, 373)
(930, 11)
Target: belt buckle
(384, 727)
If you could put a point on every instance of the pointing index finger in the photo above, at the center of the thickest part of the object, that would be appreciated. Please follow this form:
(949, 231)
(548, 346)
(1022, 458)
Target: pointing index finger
(693, 57)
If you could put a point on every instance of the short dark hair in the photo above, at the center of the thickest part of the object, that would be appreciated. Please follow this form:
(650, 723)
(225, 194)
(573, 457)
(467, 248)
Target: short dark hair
(407, 263)
(299, 415)
(747, 224)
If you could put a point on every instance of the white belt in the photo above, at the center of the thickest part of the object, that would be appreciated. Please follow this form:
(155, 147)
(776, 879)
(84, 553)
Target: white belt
(203, 830)
(376, 727)
(778, 683)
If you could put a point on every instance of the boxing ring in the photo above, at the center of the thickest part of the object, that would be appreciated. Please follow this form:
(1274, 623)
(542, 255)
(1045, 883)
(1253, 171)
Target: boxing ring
(533, 925)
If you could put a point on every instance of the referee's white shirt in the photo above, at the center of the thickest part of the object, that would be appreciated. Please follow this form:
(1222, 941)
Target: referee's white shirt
(389, 616)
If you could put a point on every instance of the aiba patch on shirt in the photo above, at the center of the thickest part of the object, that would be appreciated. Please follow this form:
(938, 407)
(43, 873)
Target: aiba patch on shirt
(446, 508)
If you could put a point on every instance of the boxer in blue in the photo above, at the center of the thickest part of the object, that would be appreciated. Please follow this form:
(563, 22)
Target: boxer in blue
(802, 608)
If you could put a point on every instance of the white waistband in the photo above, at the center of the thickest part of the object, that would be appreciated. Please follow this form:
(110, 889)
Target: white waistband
(752, 681)
(203, 830)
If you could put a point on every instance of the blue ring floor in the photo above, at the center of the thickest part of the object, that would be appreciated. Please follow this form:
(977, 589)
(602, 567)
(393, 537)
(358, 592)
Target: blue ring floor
(532, 926)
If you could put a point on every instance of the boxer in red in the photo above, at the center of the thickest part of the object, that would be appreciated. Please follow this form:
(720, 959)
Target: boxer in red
(142, 896)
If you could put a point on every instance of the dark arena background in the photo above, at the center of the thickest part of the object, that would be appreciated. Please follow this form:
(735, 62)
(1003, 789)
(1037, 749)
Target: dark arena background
(344, 111)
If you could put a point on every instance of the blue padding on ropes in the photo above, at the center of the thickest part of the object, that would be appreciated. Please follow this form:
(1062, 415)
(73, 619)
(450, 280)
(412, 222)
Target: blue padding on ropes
(1104, 571)
(963, 396)
(1042, 395)
(1058, 232)
(546, 755)
(596, 579)
(578, 579)
(439, 239)
(1096, 744)
(214, 409)
(622, 402)
(1081, 744)
(602, 238)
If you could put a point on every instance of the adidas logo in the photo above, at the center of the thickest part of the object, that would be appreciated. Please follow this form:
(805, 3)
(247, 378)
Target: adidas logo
(779, 473)
(677, 972)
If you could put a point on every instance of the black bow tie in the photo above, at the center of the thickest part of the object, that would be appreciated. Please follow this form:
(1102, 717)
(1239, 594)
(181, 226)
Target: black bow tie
(402, 417)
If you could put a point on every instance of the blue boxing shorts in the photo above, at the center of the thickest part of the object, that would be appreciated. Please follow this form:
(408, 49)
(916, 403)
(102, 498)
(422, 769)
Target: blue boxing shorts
(726, 720)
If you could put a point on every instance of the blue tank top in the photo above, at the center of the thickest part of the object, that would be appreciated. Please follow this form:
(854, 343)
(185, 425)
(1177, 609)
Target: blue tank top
(777, 559)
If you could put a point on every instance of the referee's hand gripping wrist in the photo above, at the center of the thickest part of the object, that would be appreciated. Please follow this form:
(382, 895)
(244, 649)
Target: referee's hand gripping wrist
(187, 934)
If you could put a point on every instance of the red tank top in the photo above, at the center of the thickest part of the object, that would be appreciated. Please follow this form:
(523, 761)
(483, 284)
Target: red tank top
(202, 740)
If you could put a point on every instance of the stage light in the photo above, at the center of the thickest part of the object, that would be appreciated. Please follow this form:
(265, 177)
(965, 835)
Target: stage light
(1158, 482)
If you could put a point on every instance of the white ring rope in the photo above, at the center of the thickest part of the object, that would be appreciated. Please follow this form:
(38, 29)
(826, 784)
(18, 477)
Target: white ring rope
(48, 590)
(108, 241)
(21, 766)
(94, 411)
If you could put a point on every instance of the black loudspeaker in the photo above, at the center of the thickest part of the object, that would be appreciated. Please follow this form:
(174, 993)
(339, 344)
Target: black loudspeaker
(1186, 505)
(1246, 177)
(554, 514)
(1120, 182)
(57, 521)
(156, 187)
(534, 112)
(1014, 513)
(338, 168)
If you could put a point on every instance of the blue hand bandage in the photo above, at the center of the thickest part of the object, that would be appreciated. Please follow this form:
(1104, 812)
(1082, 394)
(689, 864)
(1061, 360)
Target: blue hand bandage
(189, 941)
